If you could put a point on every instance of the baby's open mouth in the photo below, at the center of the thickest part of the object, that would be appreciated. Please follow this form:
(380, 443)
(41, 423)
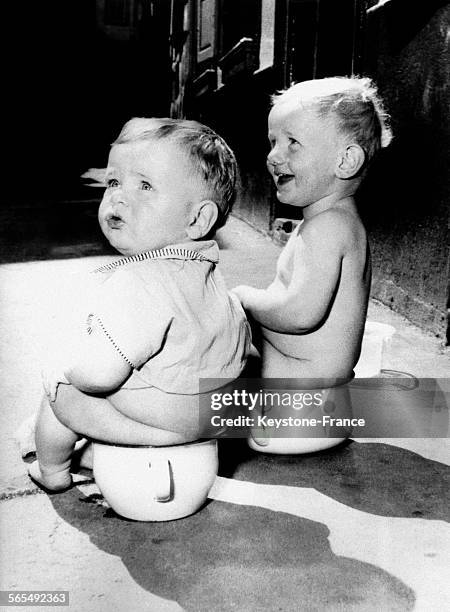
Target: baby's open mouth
(114, 221)
(282, 179)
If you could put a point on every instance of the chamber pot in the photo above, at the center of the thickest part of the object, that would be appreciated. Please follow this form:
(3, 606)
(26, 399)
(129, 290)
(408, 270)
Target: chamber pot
(336, 404)
(155, 483)
(322, 424)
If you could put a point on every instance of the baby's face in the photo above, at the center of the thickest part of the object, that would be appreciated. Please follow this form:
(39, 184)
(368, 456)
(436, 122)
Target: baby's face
(303, 156)
(148, 198)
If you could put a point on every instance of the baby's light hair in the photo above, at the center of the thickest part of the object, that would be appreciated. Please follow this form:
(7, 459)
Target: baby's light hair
(354, 102)
(211, 157)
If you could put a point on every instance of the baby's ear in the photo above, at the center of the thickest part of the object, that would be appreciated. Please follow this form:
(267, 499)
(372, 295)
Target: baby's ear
(350, 161)
(203, 218)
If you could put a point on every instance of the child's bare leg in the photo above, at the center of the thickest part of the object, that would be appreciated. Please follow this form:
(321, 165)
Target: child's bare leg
(54, 447)
(95, 417)
(184, 415)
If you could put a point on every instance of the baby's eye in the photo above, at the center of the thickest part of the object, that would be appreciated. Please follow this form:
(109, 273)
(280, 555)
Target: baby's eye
(293, 142)
(111, 183)
(146, 186)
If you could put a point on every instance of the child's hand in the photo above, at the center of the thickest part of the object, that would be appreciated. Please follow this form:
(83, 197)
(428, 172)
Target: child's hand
(242, 292)
(52, 377)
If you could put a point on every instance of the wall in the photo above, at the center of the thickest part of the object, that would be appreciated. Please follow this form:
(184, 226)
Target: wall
(406, 199)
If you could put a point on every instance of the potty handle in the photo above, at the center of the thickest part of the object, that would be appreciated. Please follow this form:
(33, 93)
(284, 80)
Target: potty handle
(163, 483)
(261, 439)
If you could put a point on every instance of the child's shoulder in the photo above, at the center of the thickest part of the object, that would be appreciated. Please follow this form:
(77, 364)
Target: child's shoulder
(131, 280)
(334, 224)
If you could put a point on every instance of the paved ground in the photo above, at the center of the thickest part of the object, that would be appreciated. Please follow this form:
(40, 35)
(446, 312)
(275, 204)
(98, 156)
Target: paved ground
(360, 527)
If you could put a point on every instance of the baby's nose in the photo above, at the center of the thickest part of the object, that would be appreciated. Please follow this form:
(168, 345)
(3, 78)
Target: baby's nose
(118, 197)
(274, 158)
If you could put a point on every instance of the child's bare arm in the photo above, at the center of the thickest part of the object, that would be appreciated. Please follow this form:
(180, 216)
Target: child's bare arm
(127, 325)
(98, 367)
(123, 329)
(304, 302)
(95, 367)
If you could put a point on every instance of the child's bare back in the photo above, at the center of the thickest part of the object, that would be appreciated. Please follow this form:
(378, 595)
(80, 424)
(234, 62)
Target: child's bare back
(330, 344)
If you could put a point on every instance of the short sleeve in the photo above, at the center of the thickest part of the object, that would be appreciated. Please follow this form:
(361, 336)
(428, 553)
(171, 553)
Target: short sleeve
(131, 314)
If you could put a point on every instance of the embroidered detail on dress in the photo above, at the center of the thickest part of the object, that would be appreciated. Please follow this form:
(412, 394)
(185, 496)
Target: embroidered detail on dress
(89, 323)
(165, 253)
(110, 338)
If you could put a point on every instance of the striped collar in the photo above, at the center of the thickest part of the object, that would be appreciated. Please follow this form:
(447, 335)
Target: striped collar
(204, 251)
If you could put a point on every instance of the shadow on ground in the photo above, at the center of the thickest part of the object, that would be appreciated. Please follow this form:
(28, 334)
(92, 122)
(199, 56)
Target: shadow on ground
(229, 557)
(377, 478)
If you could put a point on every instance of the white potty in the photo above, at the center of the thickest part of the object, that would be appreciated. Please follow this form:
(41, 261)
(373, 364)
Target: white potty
(338, 402)
(333, 403)
(155, 483)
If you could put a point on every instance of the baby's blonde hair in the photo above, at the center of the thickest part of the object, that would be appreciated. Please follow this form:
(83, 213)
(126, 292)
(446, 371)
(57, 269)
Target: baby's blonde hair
(355, 103)
(211, 157)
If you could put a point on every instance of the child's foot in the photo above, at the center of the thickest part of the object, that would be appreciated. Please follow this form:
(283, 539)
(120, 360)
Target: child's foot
(53, 482)
(24, 436)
